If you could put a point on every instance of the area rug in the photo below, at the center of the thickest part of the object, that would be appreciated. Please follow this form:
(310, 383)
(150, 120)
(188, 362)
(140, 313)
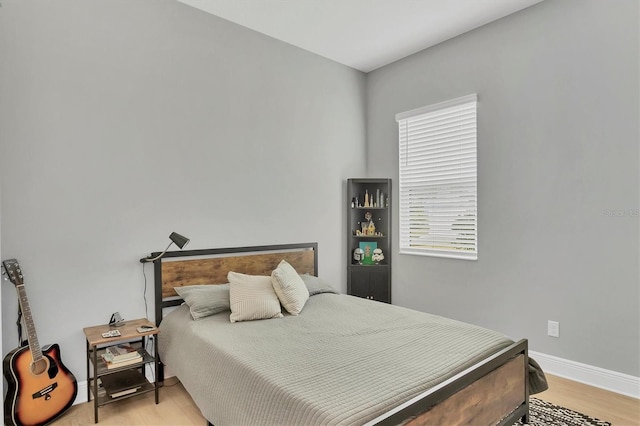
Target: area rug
(542, 413)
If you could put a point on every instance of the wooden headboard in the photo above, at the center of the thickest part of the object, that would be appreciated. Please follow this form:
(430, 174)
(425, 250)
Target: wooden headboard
(210, 266)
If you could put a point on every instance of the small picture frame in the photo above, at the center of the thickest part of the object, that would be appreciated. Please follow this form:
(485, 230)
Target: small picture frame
(117, 320)
(368, 247)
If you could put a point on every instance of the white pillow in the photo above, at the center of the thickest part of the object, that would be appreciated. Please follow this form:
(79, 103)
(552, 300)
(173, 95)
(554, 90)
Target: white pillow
(289, 287)
(252, 297)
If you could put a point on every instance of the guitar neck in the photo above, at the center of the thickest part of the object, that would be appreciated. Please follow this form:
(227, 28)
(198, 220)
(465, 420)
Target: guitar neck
(32, 337)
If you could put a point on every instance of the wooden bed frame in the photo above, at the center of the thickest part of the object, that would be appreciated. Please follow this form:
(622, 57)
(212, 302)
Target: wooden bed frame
(495, 391)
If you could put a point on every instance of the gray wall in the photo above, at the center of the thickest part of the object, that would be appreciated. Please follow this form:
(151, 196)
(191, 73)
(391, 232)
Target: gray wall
(558, 155)
(121, 121)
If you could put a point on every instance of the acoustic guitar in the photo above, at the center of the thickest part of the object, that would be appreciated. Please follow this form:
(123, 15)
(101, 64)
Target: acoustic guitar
(41, 388)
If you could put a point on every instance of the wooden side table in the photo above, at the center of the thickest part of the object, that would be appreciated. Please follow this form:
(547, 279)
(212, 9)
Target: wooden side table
(133, 374)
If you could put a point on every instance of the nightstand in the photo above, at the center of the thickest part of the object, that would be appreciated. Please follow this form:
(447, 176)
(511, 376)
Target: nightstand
(120, 382)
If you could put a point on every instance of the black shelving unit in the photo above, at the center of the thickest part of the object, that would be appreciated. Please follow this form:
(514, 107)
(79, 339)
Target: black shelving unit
(126, 381)
(369, 202)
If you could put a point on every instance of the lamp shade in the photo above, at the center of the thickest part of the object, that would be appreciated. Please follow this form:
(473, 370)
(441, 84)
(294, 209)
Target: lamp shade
(178, 240)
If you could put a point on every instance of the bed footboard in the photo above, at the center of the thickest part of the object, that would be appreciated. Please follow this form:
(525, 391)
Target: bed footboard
(492, 392)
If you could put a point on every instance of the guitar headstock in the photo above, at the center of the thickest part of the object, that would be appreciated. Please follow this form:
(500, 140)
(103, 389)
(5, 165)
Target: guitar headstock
(12, 271)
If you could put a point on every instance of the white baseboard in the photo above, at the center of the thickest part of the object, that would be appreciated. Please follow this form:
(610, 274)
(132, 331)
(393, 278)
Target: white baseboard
(81, 397)
(613, 381)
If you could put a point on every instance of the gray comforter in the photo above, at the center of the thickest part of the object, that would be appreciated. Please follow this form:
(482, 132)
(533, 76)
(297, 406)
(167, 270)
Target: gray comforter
(342, 361)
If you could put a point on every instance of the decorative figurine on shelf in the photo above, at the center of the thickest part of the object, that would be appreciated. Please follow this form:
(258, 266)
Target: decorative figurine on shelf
(367, 248)
(377, 256)
(366, 198)
(358, 255)
(370, 226)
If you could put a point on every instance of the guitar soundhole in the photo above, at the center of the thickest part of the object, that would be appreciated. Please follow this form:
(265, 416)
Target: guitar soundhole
(39, 366)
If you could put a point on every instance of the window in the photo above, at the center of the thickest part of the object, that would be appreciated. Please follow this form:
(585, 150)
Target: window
(438, 179)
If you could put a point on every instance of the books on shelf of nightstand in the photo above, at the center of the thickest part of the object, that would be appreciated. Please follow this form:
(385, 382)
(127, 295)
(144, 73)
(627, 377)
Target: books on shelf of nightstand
(121, 352)
(121, 355)
(111, 365)
(122, 383)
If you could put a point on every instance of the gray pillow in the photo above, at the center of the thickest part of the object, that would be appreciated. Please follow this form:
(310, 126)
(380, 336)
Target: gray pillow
(316, 286)
(205, 300)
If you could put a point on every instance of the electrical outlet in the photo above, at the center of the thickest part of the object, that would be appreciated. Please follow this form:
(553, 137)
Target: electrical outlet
(553, 328)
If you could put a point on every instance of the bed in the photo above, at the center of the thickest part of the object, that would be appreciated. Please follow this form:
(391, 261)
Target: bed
(342, 361)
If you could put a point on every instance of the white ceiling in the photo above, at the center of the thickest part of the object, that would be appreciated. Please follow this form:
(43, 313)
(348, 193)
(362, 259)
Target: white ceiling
(362, 34)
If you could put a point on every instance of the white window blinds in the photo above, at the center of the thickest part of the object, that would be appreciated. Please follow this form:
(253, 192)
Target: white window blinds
(438, 179)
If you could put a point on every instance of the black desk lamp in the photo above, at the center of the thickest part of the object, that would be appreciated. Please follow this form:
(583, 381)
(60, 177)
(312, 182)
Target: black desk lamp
(176, 239)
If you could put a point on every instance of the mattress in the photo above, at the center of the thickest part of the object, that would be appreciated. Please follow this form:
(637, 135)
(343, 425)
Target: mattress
(343, 361)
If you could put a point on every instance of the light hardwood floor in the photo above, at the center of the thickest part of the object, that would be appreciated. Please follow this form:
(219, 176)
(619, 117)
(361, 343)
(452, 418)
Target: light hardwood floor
(618, 409)
(176, 407)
